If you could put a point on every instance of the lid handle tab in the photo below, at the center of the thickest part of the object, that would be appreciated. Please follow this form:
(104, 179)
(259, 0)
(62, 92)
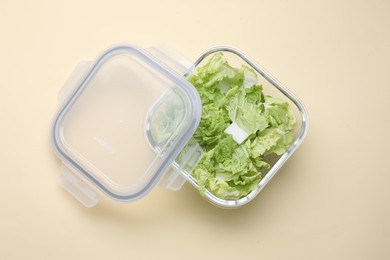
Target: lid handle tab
(183, 166)
(82, 191)
(172, 59)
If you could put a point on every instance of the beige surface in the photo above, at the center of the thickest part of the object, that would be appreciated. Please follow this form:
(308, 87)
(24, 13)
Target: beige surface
(330, 201)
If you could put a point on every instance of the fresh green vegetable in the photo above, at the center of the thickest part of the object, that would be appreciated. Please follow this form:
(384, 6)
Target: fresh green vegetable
(239, 129)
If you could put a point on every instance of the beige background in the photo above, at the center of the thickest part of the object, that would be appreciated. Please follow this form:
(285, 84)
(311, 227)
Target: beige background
(330, 201)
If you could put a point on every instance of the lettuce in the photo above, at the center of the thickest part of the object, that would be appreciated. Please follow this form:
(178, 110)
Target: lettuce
(240, 129)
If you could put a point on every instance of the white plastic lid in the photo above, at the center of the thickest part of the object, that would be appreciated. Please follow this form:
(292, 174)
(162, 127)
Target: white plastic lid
(125, 122)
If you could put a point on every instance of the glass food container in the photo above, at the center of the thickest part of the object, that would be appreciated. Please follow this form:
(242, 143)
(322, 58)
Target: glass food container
(105, 131)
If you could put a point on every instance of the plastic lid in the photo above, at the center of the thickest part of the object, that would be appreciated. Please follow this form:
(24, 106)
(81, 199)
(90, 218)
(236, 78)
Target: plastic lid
(126, 121)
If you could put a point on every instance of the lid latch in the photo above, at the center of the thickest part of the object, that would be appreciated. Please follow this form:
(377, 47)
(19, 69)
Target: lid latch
(78, 188)
(183, 166)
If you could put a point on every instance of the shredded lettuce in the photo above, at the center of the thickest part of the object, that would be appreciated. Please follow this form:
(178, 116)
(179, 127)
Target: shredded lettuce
(239, 129)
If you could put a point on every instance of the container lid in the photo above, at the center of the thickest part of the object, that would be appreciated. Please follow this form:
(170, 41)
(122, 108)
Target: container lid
(126, 121)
